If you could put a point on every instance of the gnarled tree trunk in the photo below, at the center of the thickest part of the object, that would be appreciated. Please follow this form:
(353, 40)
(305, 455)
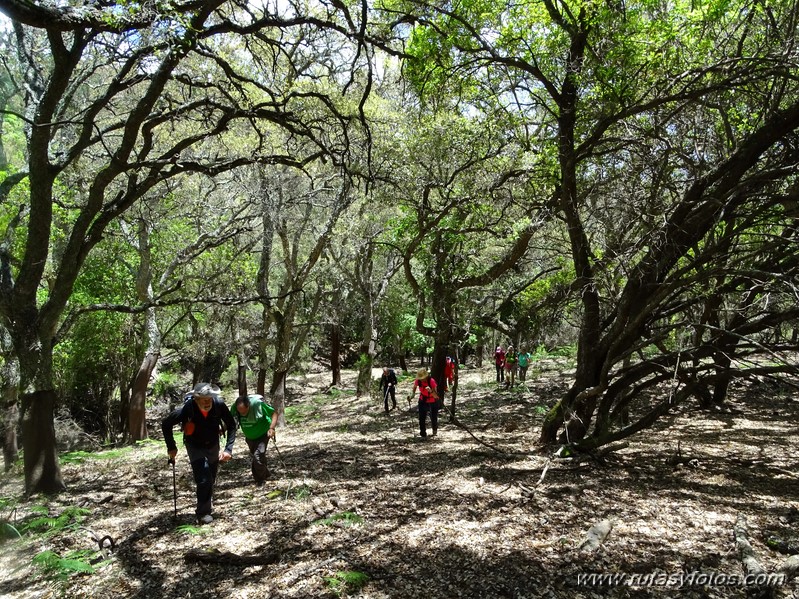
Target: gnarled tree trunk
(137, 421)
(9, 395)
(42, 472)
(335, 353)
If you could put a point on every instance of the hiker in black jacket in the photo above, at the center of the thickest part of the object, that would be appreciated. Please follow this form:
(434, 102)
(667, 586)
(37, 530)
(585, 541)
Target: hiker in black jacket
(388, 385)
(203, 417)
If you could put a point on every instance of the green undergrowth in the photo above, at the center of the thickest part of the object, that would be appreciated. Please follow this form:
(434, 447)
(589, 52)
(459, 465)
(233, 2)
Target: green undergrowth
(40, 522)
(54, 566)
(299, 493)
(41, 527)
(336, 393)
(346, 581)
(307, 411)
(191, 529)
(80, 456)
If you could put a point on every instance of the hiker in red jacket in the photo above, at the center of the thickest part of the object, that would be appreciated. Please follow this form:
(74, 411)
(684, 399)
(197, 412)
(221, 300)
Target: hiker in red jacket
(428, 401)
(449, 372)
(499, 362)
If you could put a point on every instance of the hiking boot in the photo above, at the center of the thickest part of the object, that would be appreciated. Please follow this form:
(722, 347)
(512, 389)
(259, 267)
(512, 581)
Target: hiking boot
(435, 433)
(206, 519)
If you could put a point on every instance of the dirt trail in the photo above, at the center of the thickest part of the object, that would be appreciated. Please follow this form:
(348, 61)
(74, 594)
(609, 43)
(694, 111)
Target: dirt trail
(358, 506)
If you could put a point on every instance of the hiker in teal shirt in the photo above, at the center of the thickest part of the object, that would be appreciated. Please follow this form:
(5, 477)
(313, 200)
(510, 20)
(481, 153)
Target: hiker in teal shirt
(524, 363)
(255, 418)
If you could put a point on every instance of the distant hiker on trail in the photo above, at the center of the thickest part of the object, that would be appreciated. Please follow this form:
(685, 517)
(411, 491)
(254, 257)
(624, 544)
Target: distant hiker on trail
(428, 401)
(499, 362)
(524, 363)
(449, 372)
(510, 367)
(258, 425)
(202, 417)
(388, 386)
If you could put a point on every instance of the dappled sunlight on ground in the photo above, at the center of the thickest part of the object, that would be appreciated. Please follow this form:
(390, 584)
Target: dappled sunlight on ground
(354, 490)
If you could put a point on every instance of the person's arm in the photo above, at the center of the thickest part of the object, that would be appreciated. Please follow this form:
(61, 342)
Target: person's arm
(166, 428)
(431, 389)
(230, 424)
(272, 426)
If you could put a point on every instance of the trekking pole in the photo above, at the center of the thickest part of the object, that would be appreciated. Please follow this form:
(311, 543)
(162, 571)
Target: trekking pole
(174, 486)
(280, 455)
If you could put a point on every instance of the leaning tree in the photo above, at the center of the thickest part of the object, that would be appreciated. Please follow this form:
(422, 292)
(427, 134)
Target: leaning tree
(668, 135)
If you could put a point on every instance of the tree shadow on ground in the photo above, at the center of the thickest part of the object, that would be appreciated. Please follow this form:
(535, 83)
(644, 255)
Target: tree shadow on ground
(355, 490)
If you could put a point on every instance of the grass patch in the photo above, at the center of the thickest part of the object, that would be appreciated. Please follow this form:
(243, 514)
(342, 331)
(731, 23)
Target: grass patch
(565, 351)
(148, 442)
(336, 393)
(302, 492)
(346, 581)
(302, 413)
(39, 527)
(78, 457)
(297, 493)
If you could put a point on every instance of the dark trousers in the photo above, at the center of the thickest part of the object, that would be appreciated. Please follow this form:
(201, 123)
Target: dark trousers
(500, 373)
(389, 391)
(204, 465)
(424, 408)
(260, 472)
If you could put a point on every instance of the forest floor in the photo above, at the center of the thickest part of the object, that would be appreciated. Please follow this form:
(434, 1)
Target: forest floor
(358, 506)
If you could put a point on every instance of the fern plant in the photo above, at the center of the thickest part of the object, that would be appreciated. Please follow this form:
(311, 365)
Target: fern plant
(69, 519)
(55, 566)
(190, 529)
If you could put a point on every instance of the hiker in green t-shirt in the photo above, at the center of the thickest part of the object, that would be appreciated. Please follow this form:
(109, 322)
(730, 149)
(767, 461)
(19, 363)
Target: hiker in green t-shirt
(524, 363)
(510, 367)
(258, 425)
